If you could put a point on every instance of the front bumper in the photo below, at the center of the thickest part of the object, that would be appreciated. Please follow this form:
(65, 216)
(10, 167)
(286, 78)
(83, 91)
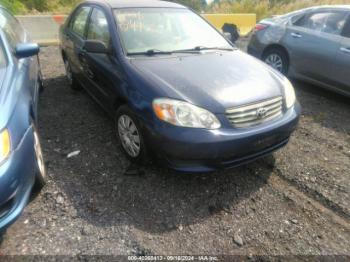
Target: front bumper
(200, 150)
(17, 176)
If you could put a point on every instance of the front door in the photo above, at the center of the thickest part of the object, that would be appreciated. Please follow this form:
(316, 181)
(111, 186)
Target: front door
(102, 70)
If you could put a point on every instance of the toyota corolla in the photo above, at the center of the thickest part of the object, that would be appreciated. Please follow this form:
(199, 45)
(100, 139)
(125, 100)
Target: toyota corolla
(176, 88)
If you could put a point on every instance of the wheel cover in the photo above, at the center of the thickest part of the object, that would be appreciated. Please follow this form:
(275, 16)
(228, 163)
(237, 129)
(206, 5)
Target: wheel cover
(129, 136)
(275, 61)
(68, 71)
(39, 155)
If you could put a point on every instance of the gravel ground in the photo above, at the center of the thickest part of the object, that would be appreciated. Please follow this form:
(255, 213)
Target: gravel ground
(296, 202)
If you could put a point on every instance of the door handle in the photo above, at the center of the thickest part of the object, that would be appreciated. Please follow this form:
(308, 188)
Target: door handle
(296, 35)
(345, 50)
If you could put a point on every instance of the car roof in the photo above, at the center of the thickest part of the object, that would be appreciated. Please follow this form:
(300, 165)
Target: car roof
(138, 3)
(320, 7)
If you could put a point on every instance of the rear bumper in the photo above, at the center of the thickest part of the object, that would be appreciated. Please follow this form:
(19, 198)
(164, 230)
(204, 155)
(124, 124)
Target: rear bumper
(255, 47)
(17, 176)
(199, 150)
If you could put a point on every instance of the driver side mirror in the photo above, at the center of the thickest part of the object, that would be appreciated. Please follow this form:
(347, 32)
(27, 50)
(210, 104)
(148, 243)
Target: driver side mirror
(24, 50)
(228, 36)
(93, 46)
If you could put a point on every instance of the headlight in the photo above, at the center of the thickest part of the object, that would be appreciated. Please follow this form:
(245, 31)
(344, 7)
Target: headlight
(184, 114)
(5, 145)
(289, 93)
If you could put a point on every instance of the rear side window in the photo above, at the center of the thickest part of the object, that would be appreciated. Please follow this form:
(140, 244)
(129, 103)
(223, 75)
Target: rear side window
(98, 27)
(297, 18)
(346, 29)
(78, 23)
(3, 60)
(13, 30)
(331, 22)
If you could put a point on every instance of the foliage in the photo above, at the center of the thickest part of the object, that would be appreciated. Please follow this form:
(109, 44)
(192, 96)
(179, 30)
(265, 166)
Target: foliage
(265, 8)
(30, 6)
(14, 6)
(262, 8)
(197, 5)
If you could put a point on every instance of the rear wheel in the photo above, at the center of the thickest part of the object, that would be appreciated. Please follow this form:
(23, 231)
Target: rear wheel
(277, 59)
(41, 174)
(73, 83)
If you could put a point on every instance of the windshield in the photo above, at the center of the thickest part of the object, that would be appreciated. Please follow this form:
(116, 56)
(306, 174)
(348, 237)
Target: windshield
(165, 30)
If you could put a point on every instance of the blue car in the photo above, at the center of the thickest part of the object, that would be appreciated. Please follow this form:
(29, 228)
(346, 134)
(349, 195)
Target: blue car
(22, 166)
(177, 89)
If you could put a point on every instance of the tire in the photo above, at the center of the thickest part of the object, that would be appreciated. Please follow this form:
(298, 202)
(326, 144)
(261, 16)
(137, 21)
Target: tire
(277, 59)
(72, 81)
(41, 174)
(41, 83)
(129, 133)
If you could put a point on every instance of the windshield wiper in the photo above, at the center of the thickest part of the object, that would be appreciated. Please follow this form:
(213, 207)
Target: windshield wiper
(152, 52)
(203, 48)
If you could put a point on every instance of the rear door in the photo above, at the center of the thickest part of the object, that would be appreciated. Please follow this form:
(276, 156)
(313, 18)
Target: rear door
(74, 38)
(342, 68)
(313, 42)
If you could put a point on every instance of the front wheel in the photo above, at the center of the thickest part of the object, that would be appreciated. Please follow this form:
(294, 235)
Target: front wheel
(129, 133)
(41, 174)
(277, 59)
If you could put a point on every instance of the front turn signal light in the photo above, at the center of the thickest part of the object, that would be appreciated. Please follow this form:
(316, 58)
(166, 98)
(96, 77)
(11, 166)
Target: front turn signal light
(5, 145)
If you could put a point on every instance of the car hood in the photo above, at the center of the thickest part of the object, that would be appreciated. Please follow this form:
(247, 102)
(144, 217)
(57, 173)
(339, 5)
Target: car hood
(215, 80)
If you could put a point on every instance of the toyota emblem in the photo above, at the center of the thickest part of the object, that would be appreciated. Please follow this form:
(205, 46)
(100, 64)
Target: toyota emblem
(261, 112)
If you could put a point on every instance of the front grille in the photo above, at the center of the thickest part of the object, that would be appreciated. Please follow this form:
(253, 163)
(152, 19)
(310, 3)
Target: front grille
(254, 114)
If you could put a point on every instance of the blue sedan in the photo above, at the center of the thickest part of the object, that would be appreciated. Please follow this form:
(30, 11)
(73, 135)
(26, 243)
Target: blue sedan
(21, 160)
(175, 87)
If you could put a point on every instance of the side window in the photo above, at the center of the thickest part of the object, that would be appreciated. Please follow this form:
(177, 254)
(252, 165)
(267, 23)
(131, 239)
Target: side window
(296, 19)
(3, 60)
(98, 27)
(331, 22)
(78, 23)
(346, 29)
(12, 28)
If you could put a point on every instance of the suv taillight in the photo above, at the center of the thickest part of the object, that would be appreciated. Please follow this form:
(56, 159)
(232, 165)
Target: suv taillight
(259, 27)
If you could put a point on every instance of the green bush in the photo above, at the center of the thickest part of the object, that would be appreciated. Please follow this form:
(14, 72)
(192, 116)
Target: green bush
(39, 5)
(197, 5)
(25, 6)
(14, 6)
